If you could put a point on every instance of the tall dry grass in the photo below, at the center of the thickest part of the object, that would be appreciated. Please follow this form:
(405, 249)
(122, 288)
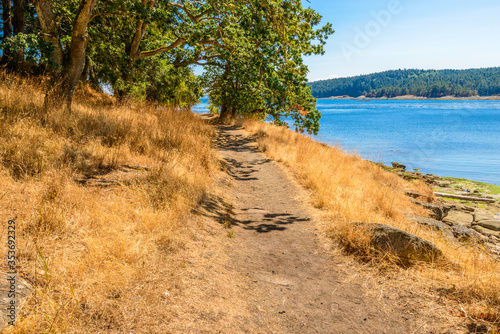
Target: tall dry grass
(99, 258)
(349, 189)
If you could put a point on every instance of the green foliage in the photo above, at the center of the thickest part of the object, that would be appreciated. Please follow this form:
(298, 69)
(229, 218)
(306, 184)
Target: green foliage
(173, 86)
(35, 50)
(261, 68)
(425, 83)
(252, 51)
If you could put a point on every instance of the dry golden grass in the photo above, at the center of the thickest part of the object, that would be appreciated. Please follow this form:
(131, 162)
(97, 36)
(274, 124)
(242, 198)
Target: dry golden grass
(106, 254)
(349, 189)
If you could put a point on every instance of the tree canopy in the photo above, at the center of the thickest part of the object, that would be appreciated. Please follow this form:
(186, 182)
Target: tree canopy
(252, 51)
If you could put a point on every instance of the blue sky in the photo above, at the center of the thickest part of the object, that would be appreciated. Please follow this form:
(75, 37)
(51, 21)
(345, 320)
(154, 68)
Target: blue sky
(378, 35)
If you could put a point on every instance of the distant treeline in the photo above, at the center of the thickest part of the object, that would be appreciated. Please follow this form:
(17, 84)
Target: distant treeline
(425, 83)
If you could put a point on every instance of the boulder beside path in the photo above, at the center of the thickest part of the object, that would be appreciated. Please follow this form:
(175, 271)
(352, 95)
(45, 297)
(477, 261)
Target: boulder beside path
(407, 247)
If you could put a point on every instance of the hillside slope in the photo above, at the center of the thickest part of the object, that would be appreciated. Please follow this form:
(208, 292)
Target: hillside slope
(101, 198)
(424, 83)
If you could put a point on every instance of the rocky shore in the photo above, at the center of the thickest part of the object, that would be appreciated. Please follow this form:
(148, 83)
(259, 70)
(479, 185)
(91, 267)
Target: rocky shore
(464, 211)
(414, 97)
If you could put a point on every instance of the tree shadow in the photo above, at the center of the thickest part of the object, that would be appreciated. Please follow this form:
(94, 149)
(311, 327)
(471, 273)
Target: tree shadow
(215, 207)
(232, 142)
(238, 143)
(261, 221)
(270, 222)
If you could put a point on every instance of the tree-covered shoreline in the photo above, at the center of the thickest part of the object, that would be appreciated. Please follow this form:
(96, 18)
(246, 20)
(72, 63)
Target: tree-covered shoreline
(419, 83)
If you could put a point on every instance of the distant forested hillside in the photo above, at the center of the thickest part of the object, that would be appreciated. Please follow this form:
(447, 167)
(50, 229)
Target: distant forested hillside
(426, 83)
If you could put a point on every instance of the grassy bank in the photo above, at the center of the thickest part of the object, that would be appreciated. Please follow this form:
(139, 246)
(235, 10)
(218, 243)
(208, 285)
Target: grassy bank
(480, 187)
(102, 199)
(349, 189)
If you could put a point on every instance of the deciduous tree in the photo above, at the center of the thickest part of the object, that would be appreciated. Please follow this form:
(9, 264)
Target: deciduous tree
(68, 61)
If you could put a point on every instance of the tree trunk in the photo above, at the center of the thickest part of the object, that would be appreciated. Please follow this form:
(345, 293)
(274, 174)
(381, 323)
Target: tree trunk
(226, 113)
(7, 25)
(18, 23)
(60, 93)
(48, 24)
(65, 77)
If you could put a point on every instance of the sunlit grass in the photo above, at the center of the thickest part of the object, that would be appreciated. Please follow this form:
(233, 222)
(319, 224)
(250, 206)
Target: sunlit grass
(91, 251)
(349, 189)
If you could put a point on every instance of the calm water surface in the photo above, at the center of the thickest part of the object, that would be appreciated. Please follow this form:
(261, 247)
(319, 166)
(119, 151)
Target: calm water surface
(446, 138)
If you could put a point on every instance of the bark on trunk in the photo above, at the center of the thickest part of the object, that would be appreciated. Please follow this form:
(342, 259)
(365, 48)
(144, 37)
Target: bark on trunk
(226, 113)
(48, 23)
(65, 77)
(7, 25)
(18, 17)
(60, 93)
(132, 50)
(223, 113)
(18, 23)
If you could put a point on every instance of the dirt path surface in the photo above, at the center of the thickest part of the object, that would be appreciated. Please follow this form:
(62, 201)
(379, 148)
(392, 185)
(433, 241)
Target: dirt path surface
(294, 286)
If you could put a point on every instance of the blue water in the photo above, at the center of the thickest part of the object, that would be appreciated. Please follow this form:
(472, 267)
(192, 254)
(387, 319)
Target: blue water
(201, 108)
(446, 138)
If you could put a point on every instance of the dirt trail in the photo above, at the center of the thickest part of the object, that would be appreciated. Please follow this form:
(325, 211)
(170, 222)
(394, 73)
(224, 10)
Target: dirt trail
(294, 286)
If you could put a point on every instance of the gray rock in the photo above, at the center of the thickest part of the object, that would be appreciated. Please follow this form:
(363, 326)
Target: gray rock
(463, 233)
(431, 179)
(406, 246)
(490, 224)
(494, 248)
(398, 165)
(443, 184)
(415, 194)
(434, 224)
(23, 290)
(438, 212)
(464, 208)
(480, 216)
(459, 218)
(485, 231)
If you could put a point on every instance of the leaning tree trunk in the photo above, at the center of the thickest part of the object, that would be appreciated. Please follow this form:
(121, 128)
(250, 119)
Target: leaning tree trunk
(225, 113)
(69, 70)
(60, 93)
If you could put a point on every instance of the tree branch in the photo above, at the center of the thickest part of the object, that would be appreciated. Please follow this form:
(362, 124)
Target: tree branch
(195, 19)
(151, 53)
(140, 30)
(196, 59)
(108, 14)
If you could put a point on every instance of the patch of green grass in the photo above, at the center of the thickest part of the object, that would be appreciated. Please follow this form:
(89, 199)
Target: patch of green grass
(459, 200)
(441, 190)
(493, 188)
(477, 204)
(482, 187)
